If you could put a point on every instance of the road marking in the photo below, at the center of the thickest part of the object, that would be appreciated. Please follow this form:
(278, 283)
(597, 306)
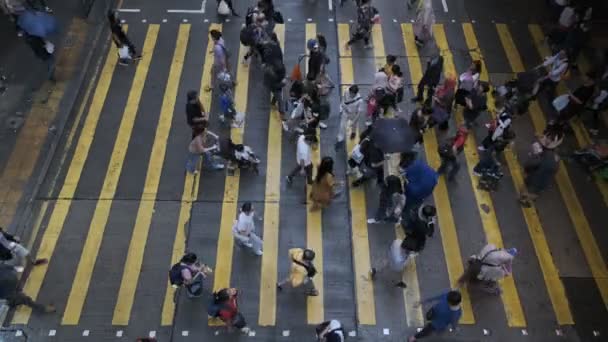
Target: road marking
(62, 206)
(378, 42)
(330, 4)
(442, 202)
(272, 197)
(553, 282)
(129, 10)
(445, 6)
(574, 207)
(225, 243)
(580, 132)
(189, 194)
(201, 11)
(86, 265)
(364, 288)
(314, 228)
(132, 266)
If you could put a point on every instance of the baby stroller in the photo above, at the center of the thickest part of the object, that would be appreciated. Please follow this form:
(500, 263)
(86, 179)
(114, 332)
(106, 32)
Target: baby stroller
(518, 92)
(238, 156)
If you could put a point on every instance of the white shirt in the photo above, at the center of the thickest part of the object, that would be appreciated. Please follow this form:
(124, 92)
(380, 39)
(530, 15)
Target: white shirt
(558, 67)
(303, 151)
(244, 225)
(352, 106)
(398, 256)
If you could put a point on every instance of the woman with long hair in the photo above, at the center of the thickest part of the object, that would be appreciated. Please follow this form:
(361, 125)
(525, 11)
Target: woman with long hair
(322, 191)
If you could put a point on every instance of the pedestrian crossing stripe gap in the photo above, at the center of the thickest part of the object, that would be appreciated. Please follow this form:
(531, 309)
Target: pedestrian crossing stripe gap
(553, 282)
(268, 276)
(225, 243)
(580, 132)
(86, 265)
(573, 205)
(411, 294)
(190, 192)
(314, 228)
(132, 267)
(364, 287)
(62, 205)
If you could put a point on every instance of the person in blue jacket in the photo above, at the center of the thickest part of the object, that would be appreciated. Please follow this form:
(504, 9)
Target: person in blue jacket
(444, 313)
(421, 179)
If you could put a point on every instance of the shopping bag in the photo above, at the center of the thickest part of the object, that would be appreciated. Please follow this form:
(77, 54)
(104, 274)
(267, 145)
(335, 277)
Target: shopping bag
(222, 8)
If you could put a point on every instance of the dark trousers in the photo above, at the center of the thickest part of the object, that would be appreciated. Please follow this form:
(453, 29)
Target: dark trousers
(120, 38)
(21, 298)
(426, 331)
(430, 90)
(358, 36)
(449, 165)
(307, 169)
(369, 174)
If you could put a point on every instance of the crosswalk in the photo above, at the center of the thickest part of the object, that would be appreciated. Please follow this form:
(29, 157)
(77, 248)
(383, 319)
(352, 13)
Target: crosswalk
(463, 228)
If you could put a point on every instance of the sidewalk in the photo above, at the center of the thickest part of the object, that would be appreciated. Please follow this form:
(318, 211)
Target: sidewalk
(33, 110)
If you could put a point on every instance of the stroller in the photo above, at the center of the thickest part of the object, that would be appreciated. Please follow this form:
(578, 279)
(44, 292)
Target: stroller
(238, 156)
(518, 92)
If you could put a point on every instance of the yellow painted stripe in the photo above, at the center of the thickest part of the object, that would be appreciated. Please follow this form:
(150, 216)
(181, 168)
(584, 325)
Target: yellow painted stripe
(223, 260)
(580, 132)
(574, 207)
(314, 228)
(449, 237)
(379, 52)
(189, 194)
(86, 265)
(62, 205)
(35, 130)
(553, 282)
(132, 266)
(268, 277)
(364, 288)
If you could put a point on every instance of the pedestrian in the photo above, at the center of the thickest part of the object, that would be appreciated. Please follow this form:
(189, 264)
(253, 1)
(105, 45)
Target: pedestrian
(324, 188)
(301, 271)
(366, 16)
(577, 99)
(330, 331)
(226, 8)
(444, 313)
(467, 81)
(15, 254)
(221, 57)
(14, 296)
(394, 87)
(419, 223)
(224, 305)
(126, 49)
(449, 151)
(244, 229)
(189, 272)
(488, 267)
(306, 142)
(421, 179)
(45, 50)
(203, 144)
(392, 201)
(396, 260)
(316, 59)
(351, 110)
(430, 79)
(444, 98)
(556, 67)
(476, 101)
(498, 128)
(196, 116)
(372, 164)
(539, 169)
(423, 24)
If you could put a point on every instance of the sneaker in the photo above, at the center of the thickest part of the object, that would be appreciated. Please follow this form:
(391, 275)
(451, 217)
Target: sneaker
(279, 287)
(289, 180)
(401, 284)
(122, 62)
(49, 308)
(137, 57)
(323, 125)
(47, 9)
(285, 127)
(41, 262)
(353, 135)
(19, 269)
(481, 148)
(245, 330)
(372, 221)
(259, 253)
(219, 167)
(476, 173)
(248, 244)
(313, 293)
(368, 46)
(372, 273)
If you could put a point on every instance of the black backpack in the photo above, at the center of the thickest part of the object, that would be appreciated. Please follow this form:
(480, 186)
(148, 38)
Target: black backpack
(311, 271)
(175, 274)
(246, 36)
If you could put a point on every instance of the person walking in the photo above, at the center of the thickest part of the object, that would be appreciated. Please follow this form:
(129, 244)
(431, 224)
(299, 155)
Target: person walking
(366, 16)
(556, 67)
(430, 79)
(244, 229)
(418, 224)
(488, 267)
(467, 81)
(324, 187)
(220, 57)
(446, 312)
(305, 144)
(14, 254)
(540, 169)
(423, 24)
(126, 49)
(14, 296)
(196, 116)
(301, 271)
(449, 151)
(476, 101)
(330, 331)
(498, 128)
(224, 305)
(203, 143)
(392, 201)
(351, 110)
(577, 99)
(396, 260)
(189, 272)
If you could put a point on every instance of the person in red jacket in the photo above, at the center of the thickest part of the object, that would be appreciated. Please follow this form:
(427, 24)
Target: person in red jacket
(225, 307)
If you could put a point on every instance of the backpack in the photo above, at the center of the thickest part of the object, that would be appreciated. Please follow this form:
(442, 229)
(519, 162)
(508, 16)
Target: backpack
(213, 310)
(311, 271)
(246, 36)
(175, 274)
(475, 265)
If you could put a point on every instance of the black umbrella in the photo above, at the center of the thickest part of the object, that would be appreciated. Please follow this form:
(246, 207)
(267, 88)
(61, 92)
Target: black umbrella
(393, 135)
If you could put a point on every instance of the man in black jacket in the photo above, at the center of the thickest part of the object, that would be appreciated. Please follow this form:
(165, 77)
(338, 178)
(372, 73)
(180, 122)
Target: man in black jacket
(430, 79)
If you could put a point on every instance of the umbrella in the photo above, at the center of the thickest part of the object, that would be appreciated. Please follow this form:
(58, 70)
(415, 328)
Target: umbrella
(393, 135)
(40, 24)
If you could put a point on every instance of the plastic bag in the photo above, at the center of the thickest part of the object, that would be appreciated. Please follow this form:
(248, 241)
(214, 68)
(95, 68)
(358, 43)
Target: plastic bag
(223, 9)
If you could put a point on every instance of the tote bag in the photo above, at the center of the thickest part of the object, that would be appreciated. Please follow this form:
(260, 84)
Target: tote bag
(222, 8)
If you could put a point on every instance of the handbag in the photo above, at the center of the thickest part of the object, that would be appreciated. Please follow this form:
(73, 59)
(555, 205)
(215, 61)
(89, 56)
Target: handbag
(560, 102)
(222, 8)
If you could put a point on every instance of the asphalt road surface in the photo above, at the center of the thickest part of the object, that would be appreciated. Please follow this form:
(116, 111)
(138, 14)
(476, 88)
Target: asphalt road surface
(121, 208)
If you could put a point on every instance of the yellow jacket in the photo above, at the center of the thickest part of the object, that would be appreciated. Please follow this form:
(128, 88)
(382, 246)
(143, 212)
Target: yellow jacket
(297, 273)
